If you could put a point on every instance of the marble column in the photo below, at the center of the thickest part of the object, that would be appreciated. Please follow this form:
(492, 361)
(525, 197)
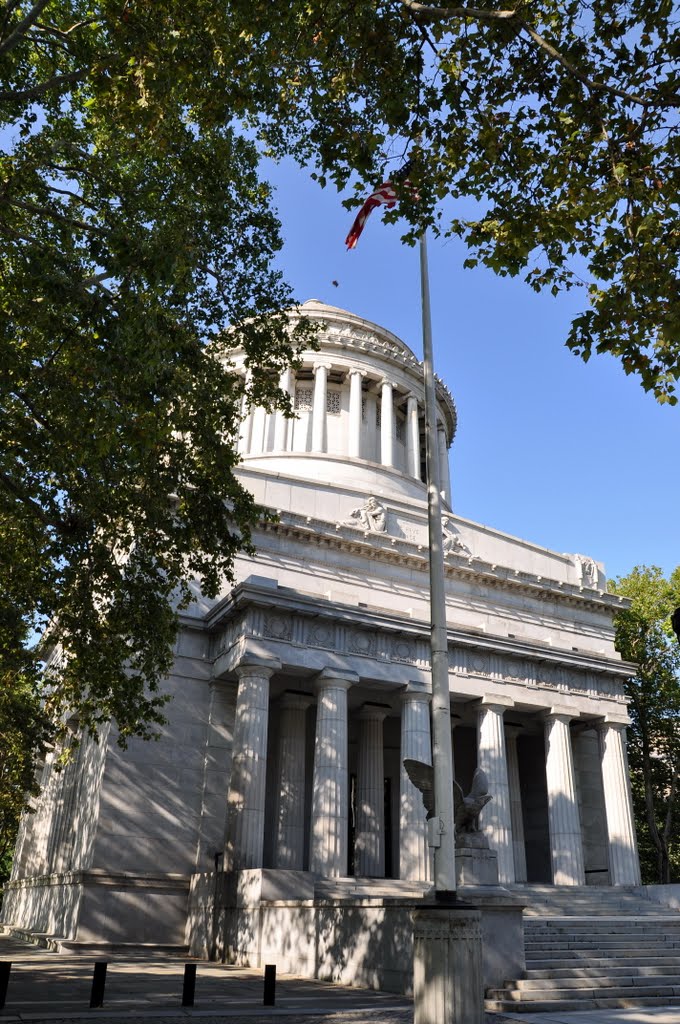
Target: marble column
(282, 424)
(246, 423)
(412, 437)
(355, 396)
(330, 789)
(566, 845)
(217, 754)
(386, 425)
(516, 817)
(416, 743)
(369, 845)
(289, 800)
(246, 803)
(444, 474)
(258, 431)
(319, 407)
(495, 817)
(624, 867)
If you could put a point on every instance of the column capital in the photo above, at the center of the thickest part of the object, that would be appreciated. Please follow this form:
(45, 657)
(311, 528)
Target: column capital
(559, 712)
(254, 665)
(319, 366)
(614, 721)
(495, 702)
(415, 695)
(356, 370)
(373, 711)
(385, 382)
(342, 678)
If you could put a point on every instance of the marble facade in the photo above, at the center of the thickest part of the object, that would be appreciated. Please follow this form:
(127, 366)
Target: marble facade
(298, 693)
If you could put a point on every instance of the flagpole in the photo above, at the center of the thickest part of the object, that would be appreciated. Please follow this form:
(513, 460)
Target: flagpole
(442, 760)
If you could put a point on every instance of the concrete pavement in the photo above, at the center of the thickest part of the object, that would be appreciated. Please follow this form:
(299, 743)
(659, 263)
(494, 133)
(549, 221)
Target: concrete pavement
(146, 988)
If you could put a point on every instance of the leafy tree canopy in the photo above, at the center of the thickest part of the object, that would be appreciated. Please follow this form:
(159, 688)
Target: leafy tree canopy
(135, 229)
(644, 636)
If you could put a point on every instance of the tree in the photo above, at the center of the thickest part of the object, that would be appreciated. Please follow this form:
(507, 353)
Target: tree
(137, 247)
(557, 119)
(138, 244)
(644, 636)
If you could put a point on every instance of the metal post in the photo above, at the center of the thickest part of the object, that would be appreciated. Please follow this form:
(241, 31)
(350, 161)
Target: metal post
(445, 852)
(98, 984)
(269, 985)
(5, 968)
(189, 986)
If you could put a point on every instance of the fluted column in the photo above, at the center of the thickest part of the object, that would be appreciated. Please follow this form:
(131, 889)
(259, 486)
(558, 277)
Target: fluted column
(413, 437)
(330, 789)
(386, 425)
(289, 799)
(355, 395)
(566, 845)
(246, 423)
(258, 431)
(516, 818)
(624, 867)
(282, 423)
(444, 474)
(416, 743)
(246, 804)
(319, 408)
(369, 845)
(495, 817)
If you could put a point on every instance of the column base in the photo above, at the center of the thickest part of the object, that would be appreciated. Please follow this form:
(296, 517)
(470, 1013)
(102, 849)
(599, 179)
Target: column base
(447, 965)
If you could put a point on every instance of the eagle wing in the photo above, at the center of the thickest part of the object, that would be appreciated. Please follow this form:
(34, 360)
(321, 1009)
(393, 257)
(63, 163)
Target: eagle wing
(422, 777)
(480, 785)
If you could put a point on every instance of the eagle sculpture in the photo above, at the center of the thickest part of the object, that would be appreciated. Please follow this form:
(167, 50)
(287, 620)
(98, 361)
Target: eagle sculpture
(466, 808)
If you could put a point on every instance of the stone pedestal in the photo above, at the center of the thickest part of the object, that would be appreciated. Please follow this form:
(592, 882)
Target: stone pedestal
(447, 966)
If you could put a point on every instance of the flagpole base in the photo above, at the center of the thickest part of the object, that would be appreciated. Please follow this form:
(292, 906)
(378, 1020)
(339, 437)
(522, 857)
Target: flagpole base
(447, 963)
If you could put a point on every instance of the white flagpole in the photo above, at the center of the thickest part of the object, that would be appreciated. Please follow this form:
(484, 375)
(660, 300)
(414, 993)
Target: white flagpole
(445, 852)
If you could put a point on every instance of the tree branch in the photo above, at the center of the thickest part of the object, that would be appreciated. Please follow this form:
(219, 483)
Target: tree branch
(47, 212)
(39, 90)
(14, 38)
(428, 12)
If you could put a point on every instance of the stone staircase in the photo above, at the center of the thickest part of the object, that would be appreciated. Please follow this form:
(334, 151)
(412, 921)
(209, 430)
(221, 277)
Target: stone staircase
(589, 948)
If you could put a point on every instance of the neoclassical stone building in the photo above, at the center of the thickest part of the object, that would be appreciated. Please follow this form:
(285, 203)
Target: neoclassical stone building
(297, 695)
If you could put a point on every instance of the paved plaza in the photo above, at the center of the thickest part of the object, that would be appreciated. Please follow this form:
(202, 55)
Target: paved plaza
(145, 987)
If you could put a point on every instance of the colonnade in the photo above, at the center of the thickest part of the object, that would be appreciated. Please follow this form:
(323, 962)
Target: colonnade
(255, 438)
(326, 833)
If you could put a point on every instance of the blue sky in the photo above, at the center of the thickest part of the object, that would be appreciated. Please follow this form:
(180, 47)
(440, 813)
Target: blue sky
(573, 456)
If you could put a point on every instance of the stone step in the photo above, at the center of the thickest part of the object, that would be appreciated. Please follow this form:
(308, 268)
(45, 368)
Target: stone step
(641, 966)
(567, 1005)
(613, 942)
(604, 963)
(599, 981)
(514, 995)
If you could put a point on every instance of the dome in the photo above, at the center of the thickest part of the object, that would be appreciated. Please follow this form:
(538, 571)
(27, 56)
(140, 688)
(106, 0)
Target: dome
(359, 403)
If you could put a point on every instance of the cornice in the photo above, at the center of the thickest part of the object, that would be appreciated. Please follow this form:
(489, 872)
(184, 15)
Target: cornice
(470, 568)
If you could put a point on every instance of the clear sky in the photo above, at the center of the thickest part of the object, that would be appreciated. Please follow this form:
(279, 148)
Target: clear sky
(573, 456)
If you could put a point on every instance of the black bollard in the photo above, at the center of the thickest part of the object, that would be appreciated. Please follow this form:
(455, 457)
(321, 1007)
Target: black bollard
(189, 986)
(98, 984)
(5, 968)
(269, 985)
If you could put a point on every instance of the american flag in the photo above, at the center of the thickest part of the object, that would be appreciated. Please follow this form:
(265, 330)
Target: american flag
(383, 196)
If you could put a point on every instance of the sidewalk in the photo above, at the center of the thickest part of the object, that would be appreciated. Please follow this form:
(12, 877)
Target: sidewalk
(144, 988)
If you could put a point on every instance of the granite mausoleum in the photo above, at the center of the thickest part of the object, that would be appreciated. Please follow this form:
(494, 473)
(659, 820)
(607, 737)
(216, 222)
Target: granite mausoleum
(277, 789)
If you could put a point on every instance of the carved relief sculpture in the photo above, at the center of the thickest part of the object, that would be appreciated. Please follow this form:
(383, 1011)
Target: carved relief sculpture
(371, 516)
(451, 542)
